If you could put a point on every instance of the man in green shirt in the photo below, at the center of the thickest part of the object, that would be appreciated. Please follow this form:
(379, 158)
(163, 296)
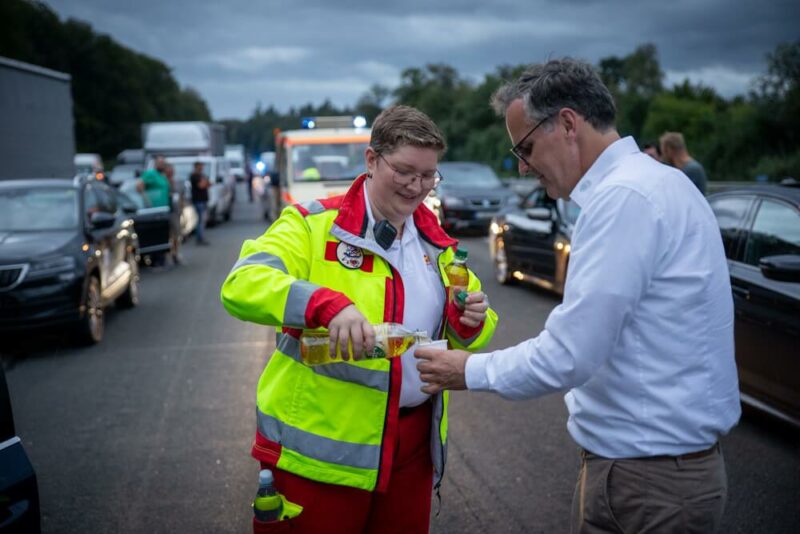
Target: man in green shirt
(155, 184)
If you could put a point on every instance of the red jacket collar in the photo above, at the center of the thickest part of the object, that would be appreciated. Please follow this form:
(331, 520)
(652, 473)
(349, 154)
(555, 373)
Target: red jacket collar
(353, 217)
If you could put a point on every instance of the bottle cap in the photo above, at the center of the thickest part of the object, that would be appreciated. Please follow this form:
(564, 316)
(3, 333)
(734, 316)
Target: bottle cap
(461, 297)
(265, 477)
(461, 253)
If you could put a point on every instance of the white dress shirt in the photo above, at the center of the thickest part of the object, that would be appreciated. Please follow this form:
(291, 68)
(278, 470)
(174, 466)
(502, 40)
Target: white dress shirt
(643, 339)
(423, 298)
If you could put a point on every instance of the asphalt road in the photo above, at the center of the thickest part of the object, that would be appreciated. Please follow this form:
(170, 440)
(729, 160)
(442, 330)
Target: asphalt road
(150, 431)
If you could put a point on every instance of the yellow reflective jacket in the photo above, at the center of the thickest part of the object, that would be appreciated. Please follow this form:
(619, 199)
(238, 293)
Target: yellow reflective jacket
(336, 423)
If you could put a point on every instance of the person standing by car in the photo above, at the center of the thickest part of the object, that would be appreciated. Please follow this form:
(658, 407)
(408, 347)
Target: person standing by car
(199, 182)
(357, 444)
(176, 209)
(675, 153)
(154, 184)
(643, 340)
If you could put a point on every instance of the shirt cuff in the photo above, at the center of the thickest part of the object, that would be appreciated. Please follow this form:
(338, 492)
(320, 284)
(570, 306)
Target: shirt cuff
(475, 372)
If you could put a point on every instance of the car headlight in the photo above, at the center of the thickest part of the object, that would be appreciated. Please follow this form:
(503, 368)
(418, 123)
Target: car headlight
(51, 266)
(452, 202)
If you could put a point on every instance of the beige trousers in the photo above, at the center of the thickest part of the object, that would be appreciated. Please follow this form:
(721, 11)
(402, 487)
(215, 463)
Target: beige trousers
(650, 495)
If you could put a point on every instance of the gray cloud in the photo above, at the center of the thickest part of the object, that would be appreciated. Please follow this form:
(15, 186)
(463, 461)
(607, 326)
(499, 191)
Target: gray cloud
(238, 53)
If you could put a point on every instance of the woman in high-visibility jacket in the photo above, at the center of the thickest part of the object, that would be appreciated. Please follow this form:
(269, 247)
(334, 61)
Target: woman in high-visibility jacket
(357, 443)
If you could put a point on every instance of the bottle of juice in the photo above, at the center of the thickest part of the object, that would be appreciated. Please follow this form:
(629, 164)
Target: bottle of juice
(391, 341)
(457, 273)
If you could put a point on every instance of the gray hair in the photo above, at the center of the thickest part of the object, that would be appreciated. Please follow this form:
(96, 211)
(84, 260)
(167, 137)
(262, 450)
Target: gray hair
(560, 83)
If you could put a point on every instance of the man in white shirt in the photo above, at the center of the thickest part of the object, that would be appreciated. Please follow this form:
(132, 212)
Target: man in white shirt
(643, 341)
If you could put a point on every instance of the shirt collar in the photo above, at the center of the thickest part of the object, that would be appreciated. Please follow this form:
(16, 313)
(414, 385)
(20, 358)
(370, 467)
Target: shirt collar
(607, 160)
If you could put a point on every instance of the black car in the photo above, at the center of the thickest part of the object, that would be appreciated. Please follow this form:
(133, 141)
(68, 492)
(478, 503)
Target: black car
(19, 493)
(469, 195)
(66, 252)
(531, 241)
(760, 228)
(153, 224)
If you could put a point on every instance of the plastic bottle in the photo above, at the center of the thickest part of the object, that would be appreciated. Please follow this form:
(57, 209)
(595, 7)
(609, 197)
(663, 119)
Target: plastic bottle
(391, 341)
(457, 273)
(267, 505)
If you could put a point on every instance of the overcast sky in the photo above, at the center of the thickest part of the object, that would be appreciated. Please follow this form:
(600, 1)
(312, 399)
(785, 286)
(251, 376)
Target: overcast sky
(288, 53)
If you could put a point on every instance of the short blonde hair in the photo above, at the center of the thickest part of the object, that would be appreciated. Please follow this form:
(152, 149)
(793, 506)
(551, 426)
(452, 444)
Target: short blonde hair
(399, 126)
(673, 141)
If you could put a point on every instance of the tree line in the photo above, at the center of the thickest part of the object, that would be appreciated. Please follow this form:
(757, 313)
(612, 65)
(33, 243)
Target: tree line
(115, 90)
(741, 138)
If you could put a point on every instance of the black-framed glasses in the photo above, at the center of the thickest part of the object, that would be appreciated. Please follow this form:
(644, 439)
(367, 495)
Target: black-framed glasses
(517, 149)
(406, 178)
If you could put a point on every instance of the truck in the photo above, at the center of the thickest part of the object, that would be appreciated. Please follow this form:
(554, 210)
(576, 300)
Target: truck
(321, 159)
(185, 143)
(237, 160)
(37, 137)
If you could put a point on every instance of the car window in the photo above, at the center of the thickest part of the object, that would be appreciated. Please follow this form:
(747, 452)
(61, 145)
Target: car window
(731, 213)
(91, 204)
(106, 200)
(776, 230)
(537, 199)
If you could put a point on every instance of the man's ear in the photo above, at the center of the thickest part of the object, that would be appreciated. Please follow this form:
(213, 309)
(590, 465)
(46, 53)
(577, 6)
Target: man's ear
(569, 121)
(371, 158)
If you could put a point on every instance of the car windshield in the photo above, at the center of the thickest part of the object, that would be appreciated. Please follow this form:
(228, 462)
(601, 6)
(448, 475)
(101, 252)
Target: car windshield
(123, 173)
(184, 169)
(328, 161)
(456, 176)
(84, 169)
(38, 209)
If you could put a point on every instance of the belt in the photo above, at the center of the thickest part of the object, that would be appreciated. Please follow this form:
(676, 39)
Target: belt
(688, 456)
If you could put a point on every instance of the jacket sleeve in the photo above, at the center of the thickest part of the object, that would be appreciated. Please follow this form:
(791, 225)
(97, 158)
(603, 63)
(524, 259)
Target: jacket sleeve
(465, 337)
(269, 284)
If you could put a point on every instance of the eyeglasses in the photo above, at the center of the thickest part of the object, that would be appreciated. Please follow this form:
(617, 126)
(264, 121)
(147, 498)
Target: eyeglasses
(406, 178)
(517, 149)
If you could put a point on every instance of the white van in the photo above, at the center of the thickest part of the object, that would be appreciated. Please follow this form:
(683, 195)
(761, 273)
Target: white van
(221, 190)
(322, 160)
(88, 165)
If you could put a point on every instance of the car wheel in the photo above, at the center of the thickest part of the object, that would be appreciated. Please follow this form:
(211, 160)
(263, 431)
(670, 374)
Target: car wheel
(502, 270)
(130, 298)
(92, 324)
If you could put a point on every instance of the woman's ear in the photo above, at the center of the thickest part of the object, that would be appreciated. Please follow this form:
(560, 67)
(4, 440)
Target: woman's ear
(371, 159)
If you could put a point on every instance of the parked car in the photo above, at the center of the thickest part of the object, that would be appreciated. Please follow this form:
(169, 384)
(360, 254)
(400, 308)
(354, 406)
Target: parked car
(66, 253)
(90, 165)
(530, 241)
(760, 228)
(124, 172)
(469, 195)
(19, 493)
(221, 193)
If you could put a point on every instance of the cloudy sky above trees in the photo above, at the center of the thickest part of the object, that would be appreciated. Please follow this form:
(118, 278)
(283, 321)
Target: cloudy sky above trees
(238, 53)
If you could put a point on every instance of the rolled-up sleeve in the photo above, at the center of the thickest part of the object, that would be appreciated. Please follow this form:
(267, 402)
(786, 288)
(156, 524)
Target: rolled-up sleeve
(613, 258)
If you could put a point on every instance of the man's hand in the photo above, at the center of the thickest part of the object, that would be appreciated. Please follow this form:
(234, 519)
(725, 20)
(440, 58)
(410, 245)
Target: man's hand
(350, 325)
(474, 309)
(441, 369)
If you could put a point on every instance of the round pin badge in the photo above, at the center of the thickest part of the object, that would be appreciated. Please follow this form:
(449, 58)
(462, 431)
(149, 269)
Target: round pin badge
(349, 256)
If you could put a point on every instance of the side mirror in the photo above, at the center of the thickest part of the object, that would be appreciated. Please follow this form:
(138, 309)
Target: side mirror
(539, 214)
(101, 220)
(784, 268)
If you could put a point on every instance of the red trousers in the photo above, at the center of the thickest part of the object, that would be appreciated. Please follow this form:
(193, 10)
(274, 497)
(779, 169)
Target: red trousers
(404, 508)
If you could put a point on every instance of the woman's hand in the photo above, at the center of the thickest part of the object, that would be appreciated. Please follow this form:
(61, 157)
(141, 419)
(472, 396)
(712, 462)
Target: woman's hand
(475, 308)
(349, 325)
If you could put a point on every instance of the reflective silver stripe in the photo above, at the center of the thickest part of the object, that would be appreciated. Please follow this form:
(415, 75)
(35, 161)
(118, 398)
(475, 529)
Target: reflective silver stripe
(319, 447)
(294, 313)
(464, 342)
(438, 450)
(346, 372)
(313, 207)
(262, 258)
